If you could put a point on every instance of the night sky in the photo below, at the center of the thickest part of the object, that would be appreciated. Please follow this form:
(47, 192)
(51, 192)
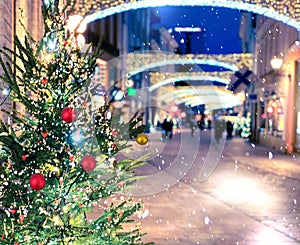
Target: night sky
(220, 25)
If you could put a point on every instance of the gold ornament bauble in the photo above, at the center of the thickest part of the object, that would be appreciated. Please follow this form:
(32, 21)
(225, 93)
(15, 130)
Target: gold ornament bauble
(142, 139)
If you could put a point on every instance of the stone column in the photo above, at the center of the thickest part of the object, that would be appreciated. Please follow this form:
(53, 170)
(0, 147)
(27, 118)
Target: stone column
(291, 109)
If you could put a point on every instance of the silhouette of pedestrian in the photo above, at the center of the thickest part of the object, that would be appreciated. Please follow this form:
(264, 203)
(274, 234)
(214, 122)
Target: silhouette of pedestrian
(229, 129)
(219, 129)
(167, 128)
(209, 123)
(192, 127)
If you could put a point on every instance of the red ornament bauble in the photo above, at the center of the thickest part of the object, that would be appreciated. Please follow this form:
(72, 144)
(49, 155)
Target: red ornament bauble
(68, 114)
(37, 182)
(44, 81)
(44, 134)
(88, 163)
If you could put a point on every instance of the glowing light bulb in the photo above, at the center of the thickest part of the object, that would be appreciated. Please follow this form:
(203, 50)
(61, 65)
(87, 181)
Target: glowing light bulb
(76, 23)
(129, 83)
(6, 91)
(80, 40)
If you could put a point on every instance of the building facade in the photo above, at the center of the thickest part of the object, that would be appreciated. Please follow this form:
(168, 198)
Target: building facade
(17, 17)
(275, 108)
(119, 35)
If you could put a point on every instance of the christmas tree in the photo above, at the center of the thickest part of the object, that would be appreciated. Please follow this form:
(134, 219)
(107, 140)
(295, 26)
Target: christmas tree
(58, 159)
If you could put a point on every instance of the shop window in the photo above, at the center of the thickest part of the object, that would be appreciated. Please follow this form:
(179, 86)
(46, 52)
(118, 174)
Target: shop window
(275, 116)
(263, 117)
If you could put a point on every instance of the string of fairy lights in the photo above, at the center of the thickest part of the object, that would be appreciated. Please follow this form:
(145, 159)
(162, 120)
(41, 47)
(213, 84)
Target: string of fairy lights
(286, 11)
(45, 150)
(138, 62)
(146, 60)
(224, 76)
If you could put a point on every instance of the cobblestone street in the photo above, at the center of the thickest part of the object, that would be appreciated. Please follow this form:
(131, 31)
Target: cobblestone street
(251, 196)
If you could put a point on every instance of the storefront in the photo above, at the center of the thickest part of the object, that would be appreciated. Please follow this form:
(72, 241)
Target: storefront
(272, 118)
(279, 106)
(274, 115)
(297, 112)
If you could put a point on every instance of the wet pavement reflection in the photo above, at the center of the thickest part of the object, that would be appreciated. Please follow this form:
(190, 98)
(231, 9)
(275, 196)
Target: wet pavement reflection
(250, 194)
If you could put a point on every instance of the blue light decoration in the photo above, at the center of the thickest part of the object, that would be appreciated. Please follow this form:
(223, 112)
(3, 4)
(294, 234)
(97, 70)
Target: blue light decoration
(6, 91)
(48, 2)
(51, 44)
(77, 136)
(51, 41)
(117, 94)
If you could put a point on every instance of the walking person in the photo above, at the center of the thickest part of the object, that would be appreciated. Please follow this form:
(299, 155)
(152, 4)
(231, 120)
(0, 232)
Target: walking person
(229, 129)
(219, 129)
(192, 125)
(209, 123)
(167, 128)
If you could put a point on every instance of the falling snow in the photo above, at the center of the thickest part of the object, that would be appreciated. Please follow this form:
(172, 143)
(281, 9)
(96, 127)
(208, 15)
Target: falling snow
(251, 194)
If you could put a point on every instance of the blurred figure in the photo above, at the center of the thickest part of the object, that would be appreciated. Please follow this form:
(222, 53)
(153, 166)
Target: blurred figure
(167, 128)
(209, 123)
(193, 125)
(229, 129)
(219, 128)
(201, 122)
(158, 124)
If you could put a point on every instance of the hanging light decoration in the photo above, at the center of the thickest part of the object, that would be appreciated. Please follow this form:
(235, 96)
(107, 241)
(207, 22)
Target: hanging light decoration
(276, 63)
(76, 23)
(129, 83)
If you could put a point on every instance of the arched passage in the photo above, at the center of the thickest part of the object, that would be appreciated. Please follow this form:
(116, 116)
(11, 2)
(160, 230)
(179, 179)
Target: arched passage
(134, 63)
(285, 11)
(188, 78)
(213, 97)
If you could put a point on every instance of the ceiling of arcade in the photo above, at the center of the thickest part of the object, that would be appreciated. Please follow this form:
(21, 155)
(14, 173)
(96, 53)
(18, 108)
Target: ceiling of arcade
(137, 62)
(286, 11)
(213, 97)
(159, 79)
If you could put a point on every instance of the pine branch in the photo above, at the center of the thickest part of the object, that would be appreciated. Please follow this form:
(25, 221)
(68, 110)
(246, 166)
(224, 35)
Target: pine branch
(41, 141)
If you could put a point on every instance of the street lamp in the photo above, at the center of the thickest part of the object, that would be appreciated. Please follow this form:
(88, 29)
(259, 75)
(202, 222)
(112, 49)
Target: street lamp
(129, 83)
(76, 23)
(276, 63)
